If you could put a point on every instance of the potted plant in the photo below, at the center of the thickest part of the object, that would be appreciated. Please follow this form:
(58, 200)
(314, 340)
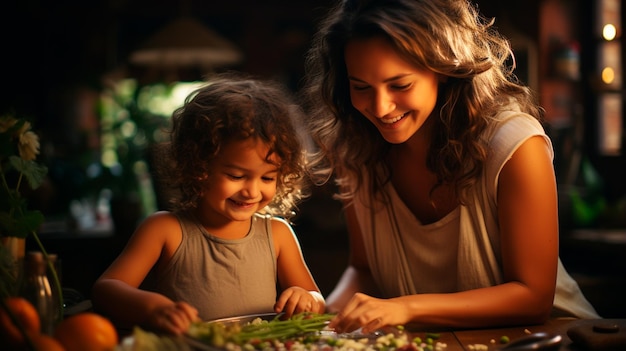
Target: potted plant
(19, 172)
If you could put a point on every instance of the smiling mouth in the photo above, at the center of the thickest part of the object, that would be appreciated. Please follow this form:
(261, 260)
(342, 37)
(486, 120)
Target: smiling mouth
(242, 204)
(393, 120)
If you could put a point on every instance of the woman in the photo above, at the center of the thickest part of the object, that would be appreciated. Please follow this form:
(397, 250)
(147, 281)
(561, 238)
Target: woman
(444, 167)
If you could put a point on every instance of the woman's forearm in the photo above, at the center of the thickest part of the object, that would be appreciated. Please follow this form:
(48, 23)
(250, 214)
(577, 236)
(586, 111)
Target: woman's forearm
(352, 280)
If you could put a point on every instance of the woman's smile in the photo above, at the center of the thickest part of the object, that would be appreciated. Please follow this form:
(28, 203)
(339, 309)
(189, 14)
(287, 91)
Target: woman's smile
(392, 120)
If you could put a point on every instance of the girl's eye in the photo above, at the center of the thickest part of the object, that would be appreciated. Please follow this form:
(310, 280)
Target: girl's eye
(269, 179)
(232, 176)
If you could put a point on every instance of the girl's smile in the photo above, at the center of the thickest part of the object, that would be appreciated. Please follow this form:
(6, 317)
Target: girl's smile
(242, 205)
(242, 182)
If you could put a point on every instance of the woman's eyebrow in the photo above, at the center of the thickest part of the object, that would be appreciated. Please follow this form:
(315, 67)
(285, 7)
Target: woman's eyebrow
(390, 79)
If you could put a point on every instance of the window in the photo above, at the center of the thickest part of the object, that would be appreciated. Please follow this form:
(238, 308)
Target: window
(608, 75)
(132, 119)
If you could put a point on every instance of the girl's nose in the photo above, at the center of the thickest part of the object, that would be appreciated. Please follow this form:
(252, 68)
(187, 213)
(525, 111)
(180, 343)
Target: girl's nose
(251, 189)
(382, 104)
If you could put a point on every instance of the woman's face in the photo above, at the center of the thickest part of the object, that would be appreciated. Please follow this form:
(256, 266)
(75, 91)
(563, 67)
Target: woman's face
(392, 93)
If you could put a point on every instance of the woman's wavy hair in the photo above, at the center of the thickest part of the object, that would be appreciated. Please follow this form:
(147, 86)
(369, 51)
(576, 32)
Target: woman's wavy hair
(233, 106)
(448, 37)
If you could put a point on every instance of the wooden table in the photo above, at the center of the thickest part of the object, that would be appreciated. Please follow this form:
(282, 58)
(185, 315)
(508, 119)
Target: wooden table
(489, 339)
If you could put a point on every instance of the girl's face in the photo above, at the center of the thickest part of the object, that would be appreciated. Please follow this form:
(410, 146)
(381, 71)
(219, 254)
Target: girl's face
(241, 183)
(391, 92)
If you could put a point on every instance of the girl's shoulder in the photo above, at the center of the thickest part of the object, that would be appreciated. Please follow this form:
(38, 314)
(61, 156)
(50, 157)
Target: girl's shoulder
(162, 216)
(161, 229)
(276, 225)
(160, 219)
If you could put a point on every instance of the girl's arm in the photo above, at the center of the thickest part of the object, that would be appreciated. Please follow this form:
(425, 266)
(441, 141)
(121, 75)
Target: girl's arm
(528, 219)
(116, 293)
(300, 292)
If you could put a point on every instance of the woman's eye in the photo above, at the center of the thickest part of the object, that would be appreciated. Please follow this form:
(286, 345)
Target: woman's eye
(402, 87)
(360, 87)
(269, 179)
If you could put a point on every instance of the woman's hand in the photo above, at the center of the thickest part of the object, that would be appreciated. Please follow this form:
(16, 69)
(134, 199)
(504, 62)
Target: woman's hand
(296, 300)
(369, 313)
(173, 319)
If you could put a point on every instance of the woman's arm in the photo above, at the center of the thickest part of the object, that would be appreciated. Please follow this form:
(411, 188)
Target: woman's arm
(528, 219)
(357, 276)
(116, 293)
(529, 228)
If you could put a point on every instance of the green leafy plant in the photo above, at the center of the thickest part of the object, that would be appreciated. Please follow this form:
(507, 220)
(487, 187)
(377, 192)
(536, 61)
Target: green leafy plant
(19, 171)
(19, 148)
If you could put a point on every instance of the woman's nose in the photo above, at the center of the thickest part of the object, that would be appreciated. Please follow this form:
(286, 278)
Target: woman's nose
(382, 104)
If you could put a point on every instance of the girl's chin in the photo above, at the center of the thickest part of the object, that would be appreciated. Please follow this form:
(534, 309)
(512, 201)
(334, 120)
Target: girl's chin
(241, 213)
(239, 216)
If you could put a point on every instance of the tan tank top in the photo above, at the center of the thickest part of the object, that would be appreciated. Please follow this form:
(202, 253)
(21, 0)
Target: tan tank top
(222, 278)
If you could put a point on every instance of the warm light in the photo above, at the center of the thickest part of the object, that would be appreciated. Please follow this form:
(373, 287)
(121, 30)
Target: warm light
(109, 158)
(128, 129)
(161, 99)
(609, 32)
(608, 75)
(186, 42)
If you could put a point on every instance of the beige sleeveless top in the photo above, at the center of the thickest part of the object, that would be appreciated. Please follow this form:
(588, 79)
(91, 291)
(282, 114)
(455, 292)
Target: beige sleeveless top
(462, 250)
(222, 278)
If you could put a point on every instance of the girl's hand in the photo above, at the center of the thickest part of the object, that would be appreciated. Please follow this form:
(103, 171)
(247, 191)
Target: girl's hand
(173, 319)
(369, 313)
(296, 300)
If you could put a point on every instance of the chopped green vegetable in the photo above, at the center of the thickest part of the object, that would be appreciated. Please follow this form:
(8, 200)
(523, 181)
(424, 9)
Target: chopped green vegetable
(146, 340)
(303, 332)
(218, 334)
(504, 339)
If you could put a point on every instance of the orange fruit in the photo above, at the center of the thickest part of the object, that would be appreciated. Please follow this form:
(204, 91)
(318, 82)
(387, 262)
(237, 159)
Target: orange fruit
(25, 314)
(43, 342)
(86, 331)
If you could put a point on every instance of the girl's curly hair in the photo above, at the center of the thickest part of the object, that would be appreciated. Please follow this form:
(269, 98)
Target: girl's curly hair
(232, 106)
(448, 37)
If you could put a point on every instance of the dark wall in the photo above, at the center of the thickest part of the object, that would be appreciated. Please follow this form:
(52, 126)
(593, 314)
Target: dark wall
(51, 49)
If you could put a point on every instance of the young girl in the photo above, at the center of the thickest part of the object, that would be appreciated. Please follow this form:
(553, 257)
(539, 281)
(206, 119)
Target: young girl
(446, 171)
(237, 162)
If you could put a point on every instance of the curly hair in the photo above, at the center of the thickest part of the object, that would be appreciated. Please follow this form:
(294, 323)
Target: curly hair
(233, 106)
(448, 37)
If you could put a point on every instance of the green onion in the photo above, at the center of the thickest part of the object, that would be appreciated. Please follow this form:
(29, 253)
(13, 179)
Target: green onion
(218, 334)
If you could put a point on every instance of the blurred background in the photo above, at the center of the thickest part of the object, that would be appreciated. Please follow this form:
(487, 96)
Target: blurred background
(100, 78)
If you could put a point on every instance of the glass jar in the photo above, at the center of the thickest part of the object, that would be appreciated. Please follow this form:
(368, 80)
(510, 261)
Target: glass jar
(37, 288)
